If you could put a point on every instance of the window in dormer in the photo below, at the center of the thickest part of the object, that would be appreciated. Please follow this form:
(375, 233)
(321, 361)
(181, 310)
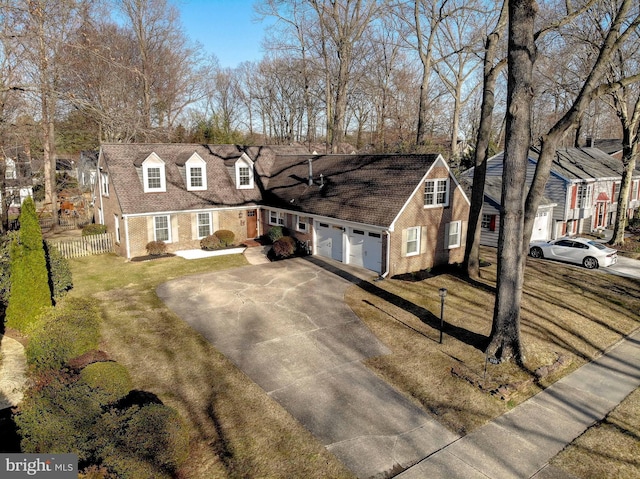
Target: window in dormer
(244, 173)
(196, 173)
(153, 174)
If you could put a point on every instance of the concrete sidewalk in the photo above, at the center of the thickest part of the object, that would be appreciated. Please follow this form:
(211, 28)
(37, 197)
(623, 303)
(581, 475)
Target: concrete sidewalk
(520, 443)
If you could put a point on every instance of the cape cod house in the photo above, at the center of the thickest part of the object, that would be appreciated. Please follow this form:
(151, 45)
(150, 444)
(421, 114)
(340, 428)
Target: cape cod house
(391, 214)
(580, 196)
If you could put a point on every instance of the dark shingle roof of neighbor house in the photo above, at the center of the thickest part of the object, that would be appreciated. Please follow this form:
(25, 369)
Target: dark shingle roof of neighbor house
(584, 164)
(370, 189)
(609, 146)
(124, 163)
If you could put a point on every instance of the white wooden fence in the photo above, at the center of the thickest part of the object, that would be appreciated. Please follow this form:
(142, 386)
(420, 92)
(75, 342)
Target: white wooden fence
(84, 246)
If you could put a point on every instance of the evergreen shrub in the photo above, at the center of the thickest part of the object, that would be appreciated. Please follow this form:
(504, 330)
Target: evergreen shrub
(94, 229)
(60, 279)
(108, 380)
(64, 332)
(29, 293)
(226, 237)
(275, 233)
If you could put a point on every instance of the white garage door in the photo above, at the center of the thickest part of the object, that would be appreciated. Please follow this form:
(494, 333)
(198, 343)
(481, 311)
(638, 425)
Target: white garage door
(329, 241)
(365, 249)
(541, 227)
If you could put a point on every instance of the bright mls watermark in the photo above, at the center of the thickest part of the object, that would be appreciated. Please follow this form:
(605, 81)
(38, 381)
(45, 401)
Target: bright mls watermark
(50, 466)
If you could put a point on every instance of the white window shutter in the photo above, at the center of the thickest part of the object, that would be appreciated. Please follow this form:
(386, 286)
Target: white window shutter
(423, 239)
(404, 243)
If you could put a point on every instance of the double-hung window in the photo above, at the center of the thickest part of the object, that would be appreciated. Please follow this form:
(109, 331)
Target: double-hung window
(195, 177)
(105, 183)
(276, 218)
(584, 196)
(301, 224)
(244, 176)
(453, 234)
(162, 228)
(204, 225)
(154, 178)
(413, 241)
(436, 192)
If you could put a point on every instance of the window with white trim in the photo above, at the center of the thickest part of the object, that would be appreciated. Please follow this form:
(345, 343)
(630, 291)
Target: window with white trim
(276, 218)
(244, 174)
(486, 222)
(204, 225)
(162, 228)
(104, 176)
(453, 234)
(153, 174)
(196, 173)
(413, 241)
(634, 190)
(436, 192)
(584, 196)
(302, 223)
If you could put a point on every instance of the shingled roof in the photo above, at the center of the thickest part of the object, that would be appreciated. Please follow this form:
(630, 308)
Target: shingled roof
(124, 161)
(370, 189)
(584, 164)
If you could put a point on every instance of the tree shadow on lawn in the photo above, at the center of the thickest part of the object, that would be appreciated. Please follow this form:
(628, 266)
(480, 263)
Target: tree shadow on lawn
(478, 341)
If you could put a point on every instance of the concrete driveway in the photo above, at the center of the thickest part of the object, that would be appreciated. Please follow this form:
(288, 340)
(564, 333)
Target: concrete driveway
(286, 326)
(627, 267)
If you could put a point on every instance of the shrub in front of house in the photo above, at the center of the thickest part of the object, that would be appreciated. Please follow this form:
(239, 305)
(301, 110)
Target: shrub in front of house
(275, 233)
(156, 248)
(108, 380)
(62, 333)
(226, 237)
(60, 279)
(5, 266)
(284, 247)
(210, 243)
(29, 294)
(94, 229)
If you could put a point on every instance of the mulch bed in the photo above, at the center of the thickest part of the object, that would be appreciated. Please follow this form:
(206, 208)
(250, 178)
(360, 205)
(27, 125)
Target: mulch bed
(150, 257)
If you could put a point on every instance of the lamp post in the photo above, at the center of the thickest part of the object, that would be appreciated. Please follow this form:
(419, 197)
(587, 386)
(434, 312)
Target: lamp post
(443, 294)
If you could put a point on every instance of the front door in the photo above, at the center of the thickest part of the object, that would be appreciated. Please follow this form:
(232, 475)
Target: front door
(252, 224)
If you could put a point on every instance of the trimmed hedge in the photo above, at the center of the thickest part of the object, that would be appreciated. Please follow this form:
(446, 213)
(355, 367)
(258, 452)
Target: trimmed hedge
(63, 333)
(60, 279)
(226, 237)
(29, 294)
(94, 229)
(5, 265)
(109, 380)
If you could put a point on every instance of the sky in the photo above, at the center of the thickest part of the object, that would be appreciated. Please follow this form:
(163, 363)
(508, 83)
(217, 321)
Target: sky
(224, 28)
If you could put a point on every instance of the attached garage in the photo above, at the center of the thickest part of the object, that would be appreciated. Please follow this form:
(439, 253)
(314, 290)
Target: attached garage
(365, 249)
(329, 241)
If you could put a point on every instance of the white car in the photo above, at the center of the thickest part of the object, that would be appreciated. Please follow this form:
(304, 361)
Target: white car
(586, 252)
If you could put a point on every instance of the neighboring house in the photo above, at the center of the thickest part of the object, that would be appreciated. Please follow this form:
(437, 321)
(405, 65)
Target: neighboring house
(18, 179)
(391, 214)
(580, 196)
(87, 169)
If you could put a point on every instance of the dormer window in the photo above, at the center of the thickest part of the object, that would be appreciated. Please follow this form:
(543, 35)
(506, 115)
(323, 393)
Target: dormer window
(244, 173)
(196, 173)
(153, 174)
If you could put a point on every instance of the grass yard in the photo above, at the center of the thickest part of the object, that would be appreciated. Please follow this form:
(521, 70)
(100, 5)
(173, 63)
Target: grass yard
(570, 315)
(236, 429)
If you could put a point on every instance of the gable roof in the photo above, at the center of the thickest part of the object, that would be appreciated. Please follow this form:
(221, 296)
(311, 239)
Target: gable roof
(369, 189)
(608, 145)
(124, 161)
(584, 164)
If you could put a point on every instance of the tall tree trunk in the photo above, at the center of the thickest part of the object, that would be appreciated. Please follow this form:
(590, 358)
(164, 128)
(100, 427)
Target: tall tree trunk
(629, 155)
(490, 73)
(504, 342)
